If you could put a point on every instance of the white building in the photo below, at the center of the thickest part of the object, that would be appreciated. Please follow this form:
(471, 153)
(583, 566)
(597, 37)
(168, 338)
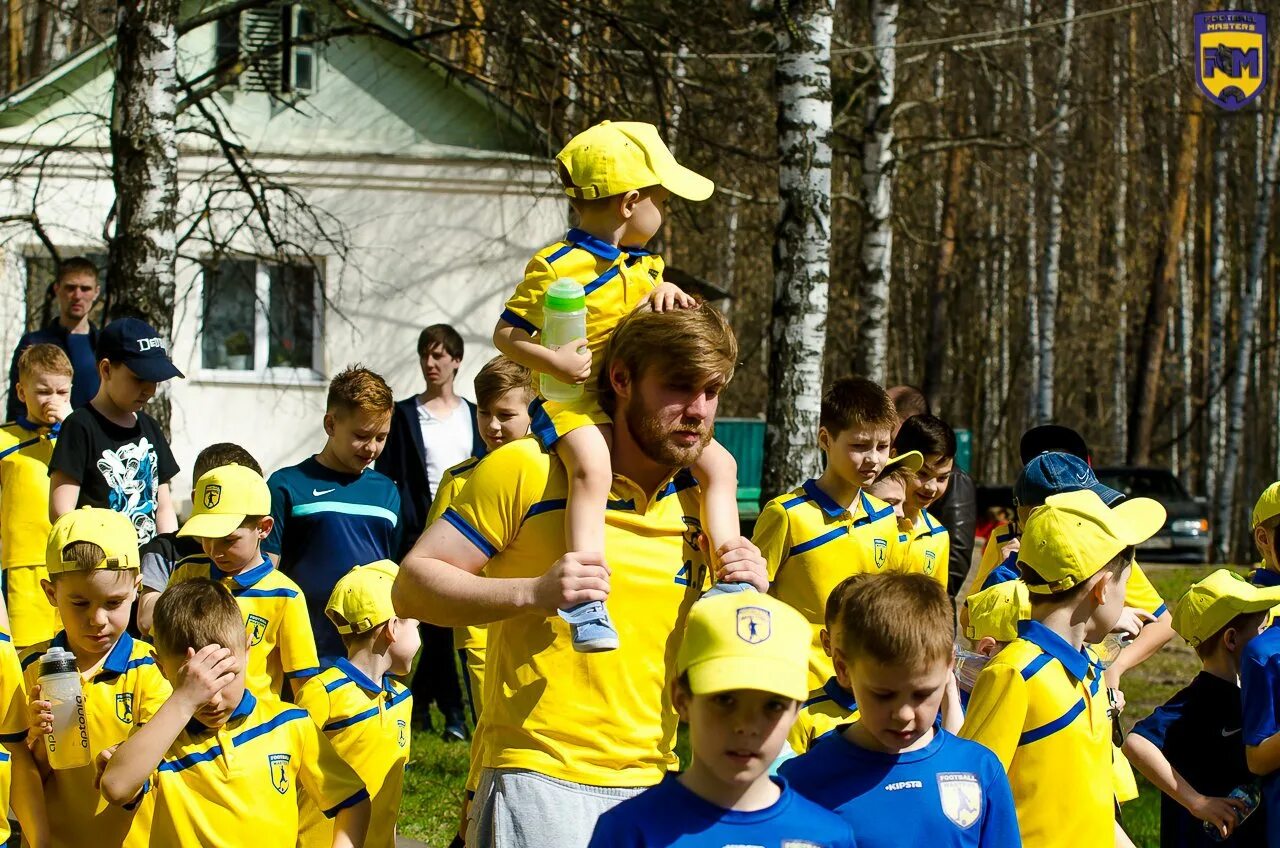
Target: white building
(427, 179)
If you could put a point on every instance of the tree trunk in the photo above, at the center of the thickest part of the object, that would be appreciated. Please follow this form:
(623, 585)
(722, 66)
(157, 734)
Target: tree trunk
(1160, 299)
(1030, 211)
(1245, 347)
(1219, 304)
(802, 243)
(872, 294)
(936, 339)
(1119, 270)
(140, 277)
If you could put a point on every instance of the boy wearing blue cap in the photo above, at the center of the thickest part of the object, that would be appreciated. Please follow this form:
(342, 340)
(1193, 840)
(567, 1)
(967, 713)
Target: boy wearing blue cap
(741, 675)
(110, 454)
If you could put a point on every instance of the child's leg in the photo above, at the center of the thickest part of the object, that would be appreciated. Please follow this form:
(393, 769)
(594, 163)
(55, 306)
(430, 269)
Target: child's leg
(717, 473)
(585, 454)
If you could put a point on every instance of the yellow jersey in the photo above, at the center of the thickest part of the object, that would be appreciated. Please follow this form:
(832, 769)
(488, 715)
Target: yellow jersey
(1041, 706)
(237, 785)
(823, 711)
(811, 543)
(24, 493)
(464, 638)
(123, 693)
(13, 721)
(600, 719)
(368, 724)
(927, 547)
(275, 620)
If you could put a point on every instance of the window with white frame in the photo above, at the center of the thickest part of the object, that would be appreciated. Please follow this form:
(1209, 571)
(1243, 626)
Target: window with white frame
(261, 316)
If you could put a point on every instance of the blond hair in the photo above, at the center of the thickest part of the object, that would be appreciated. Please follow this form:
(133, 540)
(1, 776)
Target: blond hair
(499, 376)
(896, 619)
(40, 359)
(194, 614)
(356, 388)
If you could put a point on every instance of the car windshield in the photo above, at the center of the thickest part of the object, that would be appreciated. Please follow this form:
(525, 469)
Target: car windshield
(1144, 483)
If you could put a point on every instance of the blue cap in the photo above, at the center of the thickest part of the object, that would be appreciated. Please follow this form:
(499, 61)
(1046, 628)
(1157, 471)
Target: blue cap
(136, 344)
(1056, 473)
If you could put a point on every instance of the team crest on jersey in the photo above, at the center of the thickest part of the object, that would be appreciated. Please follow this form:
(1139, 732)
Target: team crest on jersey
(256, 627)
(882, 551)
(1230, 52)
(404, 732)
(930, 561)
(692, 531)
(753, 624)
(212, 494)
(279, 764)
(961, 797)
(124, 707)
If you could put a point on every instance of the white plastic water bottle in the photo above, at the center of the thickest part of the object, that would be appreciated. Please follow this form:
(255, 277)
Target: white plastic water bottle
(968, 666)
(68, 745)
(564, 318)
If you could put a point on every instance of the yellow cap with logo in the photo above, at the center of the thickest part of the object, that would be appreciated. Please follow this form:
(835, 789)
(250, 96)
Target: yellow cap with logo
(361, 600)
(1268, 505)
(913, 461)
(223, 498)
(618, 156)
(746, 640)
(1209, 606)
(996, 611)
(110, 530)
(1071, 537)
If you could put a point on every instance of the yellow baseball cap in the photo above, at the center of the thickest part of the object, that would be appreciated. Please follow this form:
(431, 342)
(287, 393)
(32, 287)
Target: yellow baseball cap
(617, 156)
(1268, 505)
(110, 530)
(1071, 537)
(996, 611)
(913, 461)
(1209, 606)
(361, 600)
(746, 640)
(223, 498)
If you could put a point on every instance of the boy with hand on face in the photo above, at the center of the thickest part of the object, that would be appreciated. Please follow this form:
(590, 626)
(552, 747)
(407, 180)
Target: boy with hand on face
(739, 684)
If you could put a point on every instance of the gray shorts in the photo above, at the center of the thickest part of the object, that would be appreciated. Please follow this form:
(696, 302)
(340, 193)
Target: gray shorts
(516, 808)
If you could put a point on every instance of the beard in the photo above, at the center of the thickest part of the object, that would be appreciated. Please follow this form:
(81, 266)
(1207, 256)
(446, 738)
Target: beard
(653, 438)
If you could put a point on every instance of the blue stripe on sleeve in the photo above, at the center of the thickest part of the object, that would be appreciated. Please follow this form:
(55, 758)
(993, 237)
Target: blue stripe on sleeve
(310, 671)
(362, 795)
(518, 321)
(1161, 610)
(472, 534)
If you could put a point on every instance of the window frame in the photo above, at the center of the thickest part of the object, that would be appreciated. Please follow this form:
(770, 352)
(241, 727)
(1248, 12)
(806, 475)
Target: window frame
(291, 12)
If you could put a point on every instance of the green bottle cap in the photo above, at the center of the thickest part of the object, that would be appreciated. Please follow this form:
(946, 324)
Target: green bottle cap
(565, 295)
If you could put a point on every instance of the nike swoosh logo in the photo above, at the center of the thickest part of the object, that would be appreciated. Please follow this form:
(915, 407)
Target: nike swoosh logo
(315, 493)
(1226, 733)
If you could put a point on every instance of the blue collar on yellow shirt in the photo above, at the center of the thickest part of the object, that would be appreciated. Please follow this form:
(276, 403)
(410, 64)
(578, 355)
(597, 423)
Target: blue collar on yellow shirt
(246, 578)
(599, 247)
(1265, 577)
(837, 693)
(117, 662)
(361, 679)
(1076, 662)
(247, 703)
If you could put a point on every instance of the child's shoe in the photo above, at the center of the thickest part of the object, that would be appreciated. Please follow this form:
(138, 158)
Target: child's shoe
(728, 589)
(593, 632)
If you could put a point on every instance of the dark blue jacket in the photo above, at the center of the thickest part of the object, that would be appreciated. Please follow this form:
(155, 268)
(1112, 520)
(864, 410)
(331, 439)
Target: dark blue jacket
(83, 385)
(404, 460)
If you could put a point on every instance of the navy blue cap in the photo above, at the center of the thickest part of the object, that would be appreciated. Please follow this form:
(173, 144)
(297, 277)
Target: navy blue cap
(135, 344)
(1055, 473)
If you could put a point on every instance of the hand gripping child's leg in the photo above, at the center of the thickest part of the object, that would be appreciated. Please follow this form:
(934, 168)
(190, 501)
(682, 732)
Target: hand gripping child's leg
(585, 454)
(717, 474)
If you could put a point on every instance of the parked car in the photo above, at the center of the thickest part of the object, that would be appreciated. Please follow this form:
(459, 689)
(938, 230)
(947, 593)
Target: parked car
(1185, 535)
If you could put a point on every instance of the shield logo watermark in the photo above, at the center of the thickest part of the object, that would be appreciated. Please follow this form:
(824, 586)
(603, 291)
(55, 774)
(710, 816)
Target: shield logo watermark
(930, 561)
(881, 547)
(753, 624)
(212, 494)
(1230, 49)
(279, 765)
(961, 797)
(124, 707)
(256, 628)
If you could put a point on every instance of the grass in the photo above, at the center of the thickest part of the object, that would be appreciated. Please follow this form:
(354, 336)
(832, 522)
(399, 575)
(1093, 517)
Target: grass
(438, 769)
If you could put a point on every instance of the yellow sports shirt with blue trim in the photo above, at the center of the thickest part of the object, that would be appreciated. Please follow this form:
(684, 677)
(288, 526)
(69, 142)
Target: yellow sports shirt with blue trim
(823, 711)
(1042, 707)
(601, 719)
(122, 694)
(24, 492)
(927, 547)
(464, 638)
(275, 621)
(811, 543)
(368, 724)
(237, 785)
(13, 721)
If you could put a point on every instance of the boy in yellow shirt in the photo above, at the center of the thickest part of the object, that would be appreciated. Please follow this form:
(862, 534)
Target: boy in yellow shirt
(832, 704)
(829, 528)
(1266, 536)
(221, 766)
(928, 546)
(20, 788)
(619, 176)
(358, 704)
(26, 445)
(92, 558)
(231, 518)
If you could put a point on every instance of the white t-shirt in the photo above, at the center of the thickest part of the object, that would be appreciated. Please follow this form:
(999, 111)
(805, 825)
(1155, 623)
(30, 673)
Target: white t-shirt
(449, 440)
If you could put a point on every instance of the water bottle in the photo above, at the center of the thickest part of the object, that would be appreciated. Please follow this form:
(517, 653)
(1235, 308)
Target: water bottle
(564, 318)
(1252, 797)
(968, 666)
(1109, 648)
(68, 745)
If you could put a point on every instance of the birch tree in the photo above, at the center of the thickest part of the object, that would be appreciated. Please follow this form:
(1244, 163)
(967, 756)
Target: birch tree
(1034, 363)
(877, 196)
(1119, 268)
(1219, 302)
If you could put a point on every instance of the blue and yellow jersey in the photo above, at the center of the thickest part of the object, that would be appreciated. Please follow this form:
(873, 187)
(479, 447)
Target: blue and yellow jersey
(275, 621)
(927, 547)
(810, 543)
(25, 450)
(1040, 705)
(464, 638)
(1265, 577)
(237, 785)
(600, 719)
(13, 721)
(368, 724)
(124, 692)
(823, 711)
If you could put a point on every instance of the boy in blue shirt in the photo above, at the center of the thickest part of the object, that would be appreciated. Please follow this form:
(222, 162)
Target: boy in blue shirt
(894, 774)
(1260, 679)
(742, 674)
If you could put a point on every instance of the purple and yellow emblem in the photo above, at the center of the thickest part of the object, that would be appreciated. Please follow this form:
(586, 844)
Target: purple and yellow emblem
(1231, 56)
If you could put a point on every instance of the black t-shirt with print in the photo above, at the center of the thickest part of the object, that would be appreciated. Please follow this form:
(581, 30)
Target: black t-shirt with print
(119, 468)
